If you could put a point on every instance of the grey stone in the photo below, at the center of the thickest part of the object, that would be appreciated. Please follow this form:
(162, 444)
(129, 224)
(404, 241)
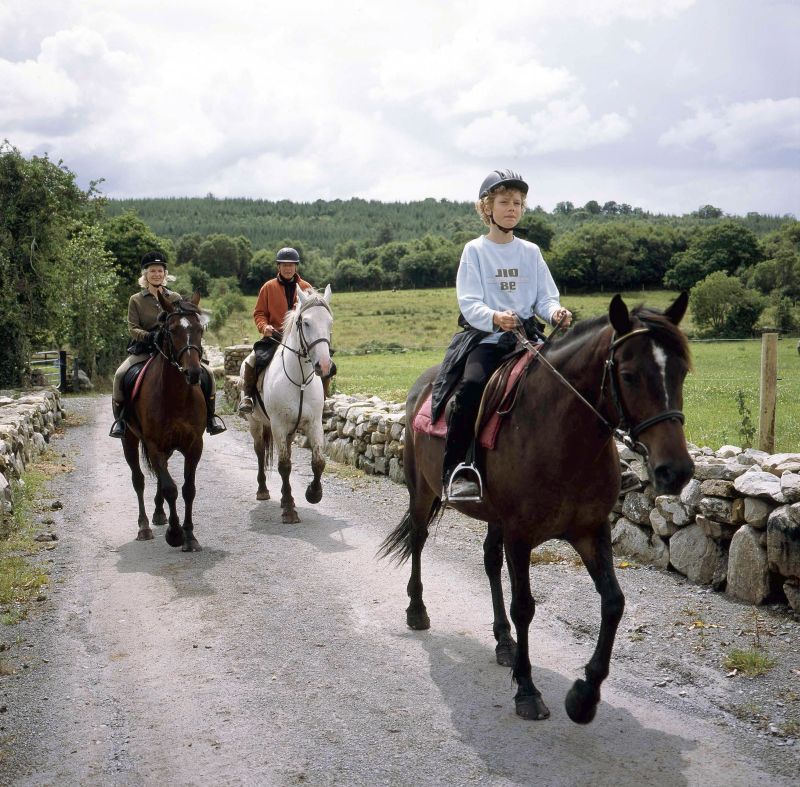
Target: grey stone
(671, 508)
(783, 540)
(748, 570)
(691, 494)
(637, 508)
(661, 525)
(756, 511)
(696, 556)
(720, 531)
(790, 486)
(630, 540)
(712, 467)
(756, 483)
(716, 487)
(718, 508)
(792, 592)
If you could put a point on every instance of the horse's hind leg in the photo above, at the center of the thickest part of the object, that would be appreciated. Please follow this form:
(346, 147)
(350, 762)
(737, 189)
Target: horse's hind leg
(506, 648)
(130, 447)
(314, 489)
(527, 699)
(421, 510)
(582, 699)
(189, 489)
(260, 447)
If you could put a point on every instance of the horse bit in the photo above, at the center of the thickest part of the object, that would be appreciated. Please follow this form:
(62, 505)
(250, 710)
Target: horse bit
(624, 432)
(171, 359)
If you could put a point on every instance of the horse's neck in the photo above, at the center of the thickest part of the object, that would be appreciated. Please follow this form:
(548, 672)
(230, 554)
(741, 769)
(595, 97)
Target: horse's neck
(291, 341)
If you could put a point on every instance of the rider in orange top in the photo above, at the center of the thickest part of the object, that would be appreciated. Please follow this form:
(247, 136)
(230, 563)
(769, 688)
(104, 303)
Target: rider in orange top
(275, 298)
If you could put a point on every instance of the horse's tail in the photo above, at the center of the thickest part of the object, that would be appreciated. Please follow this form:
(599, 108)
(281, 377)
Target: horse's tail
(267, 435)
(398, 545)
(146, 457)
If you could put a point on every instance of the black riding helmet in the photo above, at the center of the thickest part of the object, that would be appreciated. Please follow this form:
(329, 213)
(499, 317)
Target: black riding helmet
(153, 258)
(287, 254)
(502, 177)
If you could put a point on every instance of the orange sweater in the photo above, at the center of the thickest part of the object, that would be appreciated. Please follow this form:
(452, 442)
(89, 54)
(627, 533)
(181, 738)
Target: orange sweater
(271, 306)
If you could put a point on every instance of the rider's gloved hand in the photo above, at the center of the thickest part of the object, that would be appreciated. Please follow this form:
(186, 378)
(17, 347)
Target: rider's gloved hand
(151, 336)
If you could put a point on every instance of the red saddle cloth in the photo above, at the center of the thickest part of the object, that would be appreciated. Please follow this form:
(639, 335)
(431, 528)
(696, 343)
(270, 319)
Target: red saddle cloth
(491, 423)
(139, 377)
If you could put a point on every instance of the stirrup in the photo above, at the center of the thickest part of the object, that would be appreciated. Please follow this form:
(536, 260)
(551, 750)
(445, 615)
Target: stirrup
(117, 428)
(467, 468)
(245, 406)
(216, 425)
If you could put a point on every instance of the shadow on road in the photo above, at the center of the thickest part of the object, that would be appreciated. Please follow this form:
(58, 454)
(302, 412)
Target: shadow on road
(184, 570)
(479, 694)
(325, 533)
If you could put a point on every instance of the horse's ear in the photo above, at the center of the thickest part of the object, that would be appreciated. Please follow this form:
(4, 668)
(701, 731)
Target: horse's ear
(195, 299)
(675, 312)
(165, 304)
(618, 315)
(301, 295)
(327, 294)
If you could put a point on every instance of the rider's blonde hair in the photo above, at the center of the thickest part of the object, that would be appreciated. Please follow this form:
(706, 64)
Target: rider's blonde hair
(168, 277)
(484, 206)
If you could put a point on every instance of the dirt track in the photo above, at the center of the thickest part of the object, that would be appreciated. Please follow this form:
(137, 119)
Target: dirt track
(279, 654)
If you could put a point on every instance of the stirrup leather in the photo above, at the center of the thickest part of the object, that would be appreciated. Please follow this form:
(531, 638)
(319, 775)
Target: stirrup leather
(469, 469)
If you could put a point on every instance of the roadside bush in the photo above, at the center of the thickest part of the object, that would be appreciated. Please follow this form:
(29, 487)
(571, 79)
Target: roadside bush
(722, 306)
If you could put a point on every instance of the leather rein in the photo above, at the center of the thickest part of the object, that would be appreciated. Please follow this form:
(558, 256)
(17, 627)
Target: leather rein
(172, 359)
(625, 432)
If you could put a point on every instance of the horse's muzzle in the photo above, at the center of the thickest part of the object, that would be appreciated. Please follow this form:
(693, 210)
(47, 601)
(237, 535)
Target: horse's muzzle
(670, 477)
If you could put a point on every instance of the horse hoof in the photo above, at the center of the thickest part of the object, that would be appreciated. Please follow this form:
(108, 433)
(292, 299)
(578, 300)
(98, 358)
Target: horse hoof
(290, 518)
(262, 494)
(192, 546)
(144, 534)
(532, 707)
(159, 518)
(314, 495)
(418, 620)
(174, 536)
(581, 702)
(506, 653)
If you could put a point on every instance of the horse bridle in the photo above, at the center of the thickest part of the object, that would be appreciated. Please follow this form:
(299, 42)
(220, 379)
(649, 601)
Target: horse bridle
(623, 431)
(171, 358)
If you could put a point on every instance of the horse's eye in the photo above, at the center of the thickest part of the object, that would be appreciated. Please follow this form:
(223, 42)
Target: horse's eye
(628, 378)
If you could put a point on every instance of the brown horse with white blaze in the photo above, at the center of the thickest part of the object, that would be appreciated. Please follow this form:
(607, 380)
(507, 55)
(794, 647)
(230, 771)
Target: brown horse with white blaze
(168, 415)
(555, 473)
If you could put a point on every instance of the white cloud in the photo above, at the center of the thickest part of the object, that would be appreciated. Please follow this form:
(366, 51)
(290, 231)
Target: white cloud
(746, 129)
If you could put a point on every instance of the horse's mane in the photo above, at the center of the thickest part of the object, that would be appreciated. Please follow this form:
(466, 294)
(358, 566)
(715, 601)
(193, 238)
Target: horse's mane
(313, 297)
(663, 331)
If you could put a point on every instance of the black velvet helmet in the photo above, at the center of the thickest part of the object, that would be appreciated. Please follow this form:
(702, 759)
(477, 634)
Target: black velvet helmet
(502, 177)
(287, 254)
(153, 258)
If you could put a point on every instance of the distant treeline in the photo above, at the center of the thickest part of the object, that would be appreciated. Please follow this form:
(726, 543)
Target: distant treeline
(322, 225)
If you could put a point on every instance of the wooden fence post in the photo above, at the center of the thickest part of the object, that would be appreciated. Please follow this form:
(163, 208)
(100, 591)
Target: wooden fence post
(769, 391)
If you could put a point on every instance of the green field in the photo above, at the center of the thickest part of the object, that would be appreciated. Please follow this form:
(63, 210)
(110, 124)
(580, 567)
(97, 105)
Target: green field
(385, 339)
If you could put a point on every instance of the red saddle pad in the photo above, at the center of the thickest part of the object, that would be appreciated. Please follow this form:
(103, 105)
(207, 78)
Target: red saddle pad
(491, 425)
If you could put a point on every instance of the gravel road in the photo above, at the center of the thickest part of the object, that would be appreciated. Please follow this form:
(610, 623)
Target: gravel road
(279, 654)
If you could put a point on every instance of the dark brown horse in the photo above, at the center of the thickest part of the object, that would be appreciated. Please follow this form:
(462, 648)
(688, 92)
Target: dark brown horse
(168, 415)
(555, 474)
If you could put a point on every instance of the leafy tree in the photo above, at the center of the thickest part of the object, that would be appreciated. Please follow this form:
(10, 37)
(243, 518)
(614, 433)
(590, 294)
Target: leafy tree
(40, 204)
(563, 208)
(219, 255)
(593, 207)
(708, 212)
(261, 268)
(192, 279)
(188, 247)
(350, 274)
(723, 306)
(90, 313)
(726, 246)
(128, 239)
(540, 230)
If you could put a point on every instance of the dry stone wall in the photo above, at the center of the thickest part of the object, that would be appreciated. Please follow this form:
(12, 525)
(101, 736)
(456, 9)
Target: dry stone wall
(26, 423)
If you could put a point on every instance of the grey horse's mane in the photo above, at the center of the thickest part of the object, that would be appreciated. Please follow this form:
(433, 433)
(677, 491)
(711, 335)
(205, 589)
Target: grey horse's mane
(314, 298)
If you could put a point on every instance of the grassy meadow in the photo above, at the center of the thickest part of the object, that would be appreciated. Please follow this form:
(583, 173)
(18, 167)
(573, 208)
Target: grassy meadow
(385, 339)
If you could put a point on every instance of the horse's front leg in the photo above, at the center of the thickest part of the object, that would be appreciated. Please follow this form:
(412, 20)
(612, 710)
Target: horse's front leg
(190, 461)
(506, 648)
(314, 489)
(169, 490)
(130, 447)
(582, 699)
(528, 699)
(289, 515)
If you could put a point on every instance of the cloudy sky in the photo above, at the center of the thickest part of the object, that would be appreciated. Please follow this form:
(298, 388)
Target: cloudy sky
(664, 104)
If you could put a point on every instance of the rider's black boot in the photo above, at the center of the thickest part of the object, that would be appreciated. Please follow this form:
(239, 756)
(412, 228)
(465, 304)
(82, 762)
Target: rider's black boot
(118, 427)
(215, 424)
(460, 480)
(248, 391)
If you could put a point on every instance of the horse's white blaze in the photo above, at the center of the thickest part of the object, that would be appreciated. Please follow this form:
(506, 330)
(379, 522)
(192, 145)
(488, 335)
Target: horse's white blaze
(661, 361)
(184, 323)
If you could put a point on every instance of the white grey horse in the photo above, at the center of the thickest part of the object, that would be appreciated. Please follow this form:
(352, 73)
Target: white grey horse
(292, 396)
